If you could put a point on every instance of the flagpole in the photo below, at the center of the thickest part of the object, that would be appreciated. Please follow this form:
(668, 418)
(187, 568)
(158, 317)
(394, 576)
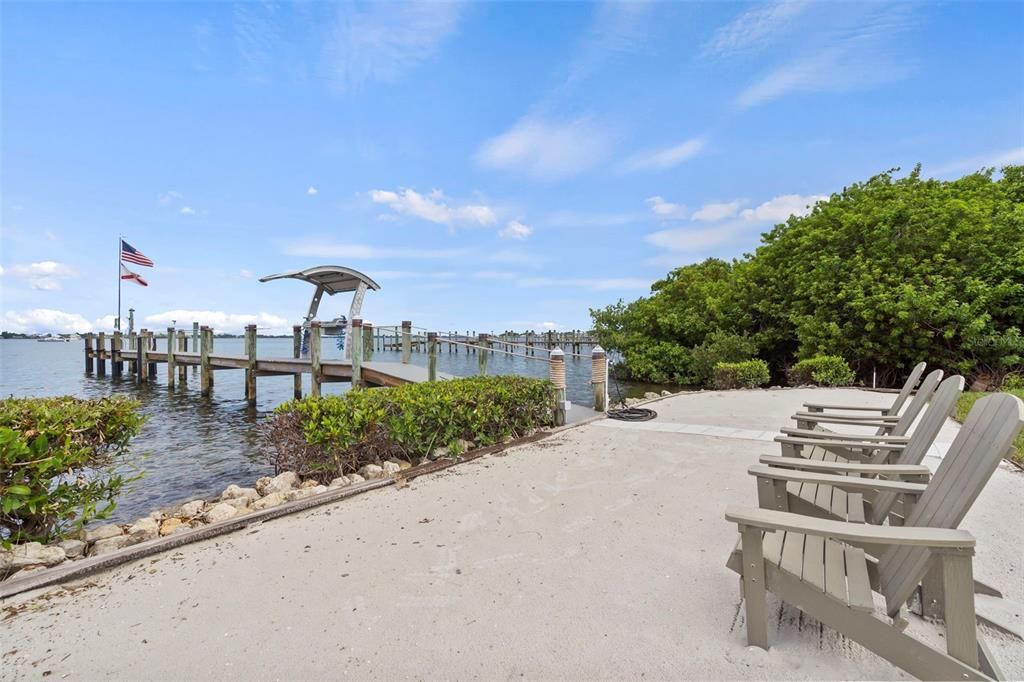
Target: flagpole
(117, 322)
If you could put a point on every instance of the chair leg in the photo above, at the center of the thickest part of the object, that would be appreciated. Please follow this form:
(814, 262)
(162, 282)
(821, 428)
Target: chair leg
(753, 587)
(958, 592)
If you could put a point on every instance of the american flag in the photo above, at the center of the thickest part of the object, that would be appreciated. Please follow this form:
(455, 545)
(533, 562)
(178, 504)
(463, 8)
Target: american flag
(133, 255)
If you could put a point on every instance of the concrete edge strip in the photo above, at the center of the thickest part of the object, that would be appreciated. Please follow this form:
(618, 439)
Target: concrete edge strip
(78, 569)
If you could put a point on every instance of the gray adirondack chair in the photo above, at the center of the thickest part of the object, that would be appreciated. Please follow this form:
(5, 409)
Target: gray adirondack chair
(893, 409)
(791, 482)
(816, 565)
(884, 425)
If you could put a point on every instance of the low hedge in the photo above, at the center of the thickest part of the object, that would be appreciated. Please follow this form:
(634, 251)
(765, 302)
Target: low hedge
(822, 370)
(746, 374)
(327, 437)
(57, 463)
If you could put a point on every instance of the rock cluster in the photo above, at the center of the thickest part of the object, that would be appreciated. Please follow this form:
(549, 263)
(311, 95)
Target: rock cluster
(233, 502)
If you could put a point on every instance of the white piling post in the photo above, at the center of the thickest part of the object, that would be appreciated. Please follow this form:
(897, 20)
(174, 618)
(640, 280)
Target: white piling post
(557, 374)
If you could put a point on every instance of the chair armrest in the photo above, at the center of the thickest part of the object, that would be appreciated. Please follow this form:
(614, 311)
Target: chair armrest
(854, 418)
(819, 419)
(895, 470)
(839, 443)
(772, 520)
(855, 483)
(836, 435)
(849, 408)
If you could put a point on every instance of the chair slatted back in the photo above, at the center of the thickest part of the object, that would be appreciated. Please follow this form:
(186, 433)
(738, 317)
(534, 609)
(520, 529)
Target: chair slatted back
(939, 409)
(920, 399)
(986, 436)
(908, 387)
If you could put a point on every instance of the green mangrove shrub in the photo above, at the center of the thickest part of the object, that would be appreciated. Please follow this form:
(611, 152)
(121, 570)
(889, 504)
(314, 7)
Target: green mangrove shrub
(823, 370)
(58, 460)
(326, 437)
(746, 374)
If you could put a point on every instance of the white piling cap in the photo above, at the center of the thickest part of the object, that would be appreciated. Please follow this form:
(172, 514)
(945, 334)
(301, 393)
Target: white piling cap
(558, 352)
(597, 349)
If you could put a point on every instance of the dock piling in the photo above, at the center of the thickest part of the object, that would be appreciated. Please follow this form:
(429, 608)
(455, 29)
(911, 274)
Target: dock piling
(314, 358)
(296, 353)
(170, 358)
(88, 353)
(182, 347)
(482, 355)
(101, 360)
(142, 365)
(557, 374)
(357, 353)
(250, 371)
(431, 356)
(117, 366)
(205, 371)
(406, 341)
(599, 378)
(367, 341)
(151, 343)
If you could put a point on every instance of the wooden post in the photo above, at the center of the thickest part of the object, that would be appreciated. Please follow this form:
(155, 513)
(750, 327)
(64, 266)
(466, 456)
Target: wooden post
(314, 358)
(151, 345)
(431, 356)
(367, 341)
(142, 352)
(406, 341)
(170, 358)
(556, 368)
(599, 378)
(296, 352)
(357, 353)
(195, 336)
(115, 354)
(101, 362)
(205, 372)
(88, 353)
(482, 356)
(250, 371)
(182, 347)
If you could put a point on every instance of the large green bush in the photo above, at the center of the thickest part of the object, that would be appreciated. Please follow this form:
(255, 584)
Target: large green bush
(885, 273)
(57, 463)
(823, 370)
(719, 347)
(327, 437)
(746, 374)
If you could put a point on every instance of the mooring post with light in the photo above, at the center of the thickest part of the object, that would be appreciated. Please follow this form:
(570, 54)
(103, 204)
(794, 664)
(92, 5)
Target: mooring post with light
(557, 374)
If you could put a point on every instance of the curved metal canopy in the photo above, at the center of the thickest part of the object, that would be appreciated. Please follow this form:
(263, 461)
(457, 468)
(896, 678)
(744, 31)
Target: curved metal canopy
(334, 279)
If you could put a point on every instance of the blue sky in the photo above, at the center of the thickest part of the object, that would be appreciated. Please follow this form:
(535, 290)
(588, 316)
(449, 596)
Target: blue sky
(492, 165)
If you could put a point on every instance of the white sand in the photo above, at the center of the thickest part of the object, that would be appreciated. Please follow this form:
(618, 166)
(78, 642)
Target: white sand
(598, 553)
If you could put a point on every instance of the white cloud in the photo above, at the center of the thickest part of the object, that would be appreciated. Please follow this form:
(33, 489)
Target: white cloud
(222, 321)
(321, 248)
(45, 321)
(433, 208)
(546, 150)
(713, 212)
(168, 198)
(577, 219)
(312, 191)
(778, 209)
(44, 275)
(494, 274)
(665, 209)
(755, 27)
(592, 284)
(187, 210)
(617, 27)
(693, 240)
(381, 41)
(995, 160)
(515, 230)
(514, 256)
(664, 158)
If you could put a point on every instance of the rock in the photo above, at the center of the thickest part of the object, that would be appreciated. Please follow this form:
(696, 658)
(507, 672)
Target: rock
(262, 483)
(371, 471)
(173, 525)
(268, 501)
(222, 511)
(339, 482)
(234, 492)
(438, 453)
(110, 545)
(190, 509)
(465, 445)
(30, 554)
(72, 548)
(309, 483)
(355, 478)
(651, 395)
(158, 515)
(390, 468)
(303, 493)
(402, 464)
(282, 483)
(144, 529)
(239, 502)
(102, 532)
(665, 393)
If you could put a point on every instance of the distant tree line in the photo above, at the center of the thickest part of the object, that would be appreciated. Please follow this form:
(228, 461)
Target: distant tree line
(885, 274)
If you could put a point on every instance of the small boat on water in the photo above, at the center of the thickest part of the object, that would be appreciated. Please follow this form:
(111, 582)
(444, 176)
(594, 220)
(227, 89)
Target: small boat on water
(54, 339)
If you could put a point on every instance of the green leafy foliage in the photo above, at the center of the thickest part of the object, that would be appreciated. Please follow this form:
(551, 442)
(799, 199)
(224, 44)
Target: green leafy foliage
(1013, 382)
(746, 374)
(885, 273)
(823, 370)
(57, 463)
(331, 436)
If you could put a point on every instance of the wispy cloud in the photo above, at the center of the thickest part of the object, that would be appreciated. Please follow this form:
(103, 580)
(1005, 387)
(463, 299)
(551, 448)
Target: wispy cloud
(756, 27)
(995, 160)
(312, 191)
(592, 284)
(167, 198)
(665, 157)
(515, 230)
(665, 209)
(187, 210)
(44, 275)
(325, 248)
(618, 26)
(494, 274)
(547, 150)
(588, 219)
(715, 211)
(434, 208)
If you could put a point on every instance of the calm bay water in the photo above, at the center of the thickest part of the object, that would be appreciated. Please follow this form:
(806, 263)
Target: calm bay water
(193, 446)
